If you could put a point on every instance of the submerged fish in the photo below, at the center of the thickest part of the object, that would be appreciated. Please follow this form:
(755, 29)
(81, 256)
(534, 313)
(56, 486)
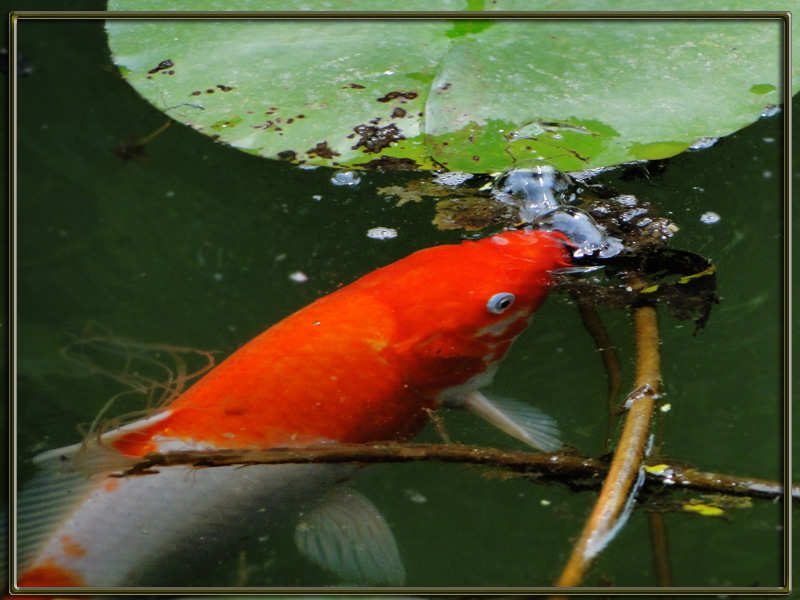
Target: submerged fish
(364, 364)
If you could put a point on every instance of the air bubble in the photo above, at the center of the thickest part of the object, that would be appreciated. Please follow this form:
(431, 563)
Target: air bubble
(583, 232)
(709, 218)
(346, 178)
(533, 188)
(770, 110)
(704, 142)
(540, 193)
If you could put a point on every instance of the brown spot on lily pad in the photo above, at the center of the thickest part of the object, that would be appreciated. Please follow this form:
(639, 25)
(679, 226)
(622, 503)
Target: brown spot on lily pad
(374, 139)
(162, 66)
(398, 94)
(287, 155)
(224, 88)
(389, 163)
(398, 113)
(322, 150)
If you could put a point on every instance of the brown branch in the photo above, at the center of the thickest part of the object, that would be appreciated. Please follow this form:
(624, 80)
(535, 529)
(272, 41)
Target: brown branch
(627, 462)
(580, 473)
(608, 352)
(658, 543)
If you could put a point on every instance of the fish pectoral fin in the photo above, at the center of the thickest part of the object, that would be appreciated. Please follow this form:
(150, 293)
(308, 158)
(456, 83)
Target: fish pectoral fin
(517, 419)
(346, 535)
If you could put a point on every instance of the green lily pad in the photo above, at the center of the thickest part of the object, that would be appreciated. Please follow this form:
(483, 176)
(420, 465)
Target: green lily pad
(471, 95)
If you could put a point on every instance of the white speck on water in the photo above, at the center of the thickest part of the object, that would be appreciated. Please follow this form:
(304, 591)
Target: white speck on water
(415, 497)
(317, 197)
(699, 189)
(382, 233)
(627, 200)
(629, 215)
(767, 174)
(309, 167)
(709, 218)
(298, 276)
(544, 502)
(769, 140)
(666, 408)
(170, 194)
(218, 276)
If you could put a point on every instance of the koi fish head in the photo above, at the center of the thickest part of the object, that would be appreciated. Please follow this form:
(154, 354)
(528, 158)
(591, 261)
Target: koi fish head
(460, 307)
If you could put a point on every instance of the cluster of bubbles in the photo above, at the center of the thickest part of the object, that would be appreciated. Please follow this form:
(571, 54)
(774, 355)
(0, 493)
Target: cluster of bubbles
(542, 195)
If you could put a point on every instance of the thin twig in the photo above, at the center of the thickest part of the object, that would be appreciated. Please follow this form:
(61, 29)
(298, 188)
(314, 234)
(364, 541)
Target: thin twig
(658, 542)
(580, 473)
(608, 352)
(627, 463)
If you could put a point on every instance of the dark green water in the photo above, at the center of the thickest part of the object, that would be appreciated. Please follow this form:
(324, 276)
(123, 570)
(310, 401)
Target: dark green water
(194, 246)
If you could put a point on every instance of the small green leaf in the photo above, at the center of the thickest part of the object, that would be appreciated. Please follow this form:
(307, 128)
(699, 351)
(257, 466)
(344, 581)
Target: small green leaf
(763, 88)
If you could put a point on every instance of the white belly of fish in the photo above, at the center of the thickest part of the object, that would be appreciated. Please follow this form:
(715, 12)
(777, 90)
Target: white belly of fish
(157, 530)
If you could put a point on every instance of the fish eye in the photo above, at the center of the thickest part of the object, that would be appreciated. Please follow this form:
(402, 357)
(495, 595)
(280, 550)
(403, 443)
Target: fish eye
(500, 302)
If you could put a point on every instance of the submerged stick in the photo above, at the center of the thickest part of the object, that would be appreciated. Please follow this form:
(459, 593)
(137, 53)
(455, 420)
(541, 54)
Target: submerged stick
(579, 473)
(626, 467)
(608, 352)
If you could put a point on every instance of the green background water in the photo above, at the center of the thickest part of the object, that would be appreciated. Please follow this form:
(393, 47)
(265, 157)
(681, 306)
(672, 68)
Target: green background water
(194, 245)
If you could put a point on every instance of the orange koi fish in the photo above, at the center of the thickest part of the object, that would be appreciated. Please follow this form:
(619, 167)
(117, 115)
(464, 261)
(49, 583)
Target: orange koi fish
(363, 364)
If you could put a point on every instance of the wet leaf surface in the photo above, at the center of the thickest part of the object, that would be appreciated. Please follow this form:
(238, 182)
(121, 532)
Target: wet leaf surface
(472, 96)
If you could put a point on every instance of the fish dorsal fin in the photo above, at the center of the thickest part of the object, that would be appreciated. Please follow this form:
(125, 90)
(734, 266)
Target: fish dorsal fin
(346, 535)
(517, 419)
